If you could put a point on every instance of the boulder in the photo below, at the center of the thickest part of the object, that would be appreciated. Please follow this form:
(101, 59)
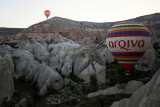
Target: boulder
(63, 46)
(80, 63)
(56, 63)
(31, 72)
(129, 88)
(21, 59)
(67, 67)
(46, 78)
(94, 69)
(27, 47)
(62, 54)
(6, 82)
(124, 103)
(108, 91)
(132, 86)
(106, 56)
(54, 52)
(148, 61)
(23, 102)
(9, 60)
(69, 59)
(146, 96)
(22, 54)
(52, 47)
(40, 52)
(7, 48)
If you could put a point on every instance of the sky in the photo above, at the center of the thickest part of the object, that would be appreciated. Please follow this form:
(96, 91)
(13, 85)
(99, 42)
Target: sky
(24, 13)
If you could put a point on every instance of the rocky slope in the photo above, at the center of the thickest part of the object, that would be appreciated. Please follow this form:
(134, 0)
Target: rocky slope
(146, 96)
(6, 81)
(79, 30)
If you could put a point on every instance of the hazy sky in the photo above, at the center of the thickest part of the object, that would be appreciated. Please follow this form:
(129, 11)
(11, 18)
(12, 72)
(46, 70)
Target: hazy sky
(23, 13)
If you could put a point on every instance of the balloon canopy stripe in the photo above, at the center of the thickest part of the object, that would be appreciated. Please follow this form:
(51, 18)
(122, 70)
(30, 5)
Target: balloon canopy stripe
(131, 27)
(127, 53)
(128, 25)
(124, 61)
(127, 59)
(128, 29)
(127, 62)
(120, 57)
(128, 33)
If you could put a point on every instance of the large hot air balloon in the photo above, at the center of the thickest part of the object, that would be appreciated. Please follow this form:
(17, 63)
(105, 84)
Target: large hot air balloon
(47, 13)
(128, 41)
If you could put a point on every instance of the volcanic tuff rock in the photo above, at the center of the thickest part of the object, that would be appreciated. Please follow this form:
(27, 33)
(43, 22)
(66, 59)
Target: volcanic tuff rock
(80, 30)
(6, 82)
(94, 69)
(6, 48)
(40, 52)
(129, 88)
(21, 59)
(146, 96)
(148, 61)
(74, 30)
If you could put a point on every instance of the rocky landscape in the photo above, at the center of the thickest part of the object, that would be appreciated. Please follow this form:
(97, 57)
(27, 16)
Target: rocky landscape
(61, 62)
(9, 31)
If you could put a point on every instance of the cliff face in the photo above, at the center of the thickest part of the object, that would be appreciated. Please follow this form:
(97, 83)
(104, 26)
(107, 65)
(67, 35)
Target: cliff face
(79, 30)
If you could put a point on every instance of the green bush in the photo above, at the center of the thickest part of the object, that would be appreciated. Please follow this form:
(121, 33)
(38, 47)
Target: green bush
(93, 83)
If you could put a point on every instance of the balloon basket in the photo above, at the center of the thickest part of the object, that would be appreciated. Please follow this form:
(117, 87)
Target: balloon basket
(127, 73)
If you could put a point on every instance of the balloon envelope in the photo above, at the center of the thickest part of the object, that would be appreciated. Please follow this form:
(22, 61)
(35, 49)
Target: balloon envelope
(128, 41)
(47, 13)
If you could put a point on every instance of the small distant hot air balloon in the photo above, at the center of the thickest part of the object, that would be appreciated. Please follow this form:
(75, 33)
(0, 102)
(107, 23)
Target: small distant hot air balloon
(128, 41)
(47, 13)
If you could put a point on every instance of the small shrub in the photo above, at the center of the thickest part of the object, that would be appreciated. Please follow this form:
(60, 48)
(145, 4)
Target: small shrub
(113, 82)
(84, 88)
(93, 83)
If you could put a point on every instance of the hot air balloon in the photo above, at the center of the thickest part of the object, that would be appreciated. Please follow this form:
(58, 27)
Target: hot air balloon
(47, 13)
(128, 41)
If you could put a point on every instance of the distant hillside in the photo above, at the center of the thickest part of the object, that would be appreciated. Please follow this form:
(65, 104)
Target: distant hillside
(74, 30)
(147, 19)
(10, 31)
(79, 30)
